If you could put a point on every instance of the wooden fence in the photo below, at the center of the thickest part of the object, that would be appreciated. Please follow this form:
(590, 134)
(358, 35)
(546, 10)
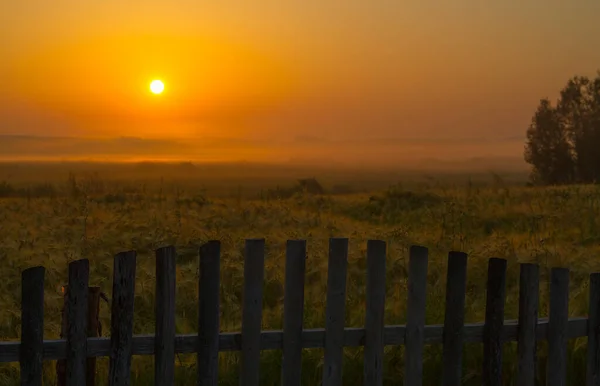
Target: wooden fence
(208, 342)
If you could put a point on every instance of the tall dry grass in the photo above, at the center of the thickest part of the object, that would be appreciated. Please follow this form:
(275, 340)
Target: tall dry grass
(550, 226)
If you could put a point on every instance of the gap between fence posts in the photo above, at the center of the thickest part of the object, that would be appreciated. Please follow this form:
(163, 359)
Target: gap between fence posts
(374, 313)
(415, 315)
(209, 314)
(557, 327)
(593, 344)
(335, 311)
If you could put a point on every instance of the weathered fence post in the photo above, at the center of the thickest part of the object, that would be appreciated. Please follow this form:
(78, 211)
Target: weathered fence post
(529, 292)
(454, 319)
(32, 326)
(494, 322)
(77, 321)
(121, 319)
(254, 271)
(81, 309)
(93, 330)
(293, 312)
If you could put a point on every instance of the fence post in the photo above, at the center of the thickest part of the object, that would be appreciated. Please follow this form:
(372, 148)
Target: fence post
(375, 308)
(121, 319)
(32, 326)
(454, 319)
(81, 306)
(293, 312)
(557, 327)
(415, 315)
(335, 312)
(93, 330)
(593, 348)
(77, 320)
(164, 340)
(529, 290)
(254, 270)
(209, 314)
(494, 322)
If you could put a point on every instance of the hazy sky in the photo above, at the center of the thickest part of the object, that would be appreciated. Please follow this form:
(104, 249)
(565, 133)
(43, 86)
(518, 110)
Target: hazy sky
(281, 69)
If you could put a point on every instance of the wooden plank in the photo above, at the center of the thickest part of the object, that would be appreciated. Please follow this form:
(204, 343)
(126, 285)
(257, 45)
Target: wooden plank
(254, 269)
(415, 316)
(454, 319)
(375, 308)
(164, 361)
(293, 312)
(335, 312)
(273, 340)
(557, 327)
(494, 321)
(93, 330)
(77, 314)
(32, 326)
(529, 292)
(209, 312)
(121, 319)
(593, 345)
(61, 365)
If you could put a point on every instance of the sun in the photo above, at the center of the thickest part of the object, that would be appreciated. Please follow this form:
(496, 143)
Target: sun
(157, 86)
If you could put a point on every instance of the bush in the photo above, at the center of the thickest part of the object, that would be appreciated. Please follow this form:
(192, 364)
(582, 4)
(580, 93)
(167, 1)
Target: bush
(6, 189)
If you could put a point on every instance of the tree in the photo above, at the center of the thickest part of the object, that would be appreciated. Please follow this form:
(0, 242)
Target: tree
(547, 148)
(592, 131)
(573, 112)
(563, 142)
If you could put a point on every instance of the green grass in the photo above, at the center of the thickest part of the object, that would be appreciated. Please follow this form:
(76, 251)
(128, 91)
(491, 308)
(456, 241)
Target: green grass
(550, 226)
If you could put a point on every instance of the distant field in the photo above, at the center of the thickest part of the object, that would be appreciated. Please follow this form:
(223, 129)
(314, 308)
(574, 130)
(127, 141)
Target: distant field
(249, 179)
(50, 219)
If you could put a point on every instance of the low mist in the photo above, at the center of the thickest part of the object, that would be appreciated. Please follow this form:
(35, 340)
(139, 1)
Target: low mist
(387, 153)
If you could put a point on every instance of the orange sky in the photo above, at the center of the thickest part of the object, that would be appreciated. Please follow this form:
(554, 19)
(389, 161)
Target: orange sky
(281, 69)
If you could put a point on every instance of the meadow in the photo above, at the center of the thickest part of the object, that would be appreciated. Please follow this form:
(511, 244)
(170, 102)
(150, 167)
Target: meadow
(51, 219)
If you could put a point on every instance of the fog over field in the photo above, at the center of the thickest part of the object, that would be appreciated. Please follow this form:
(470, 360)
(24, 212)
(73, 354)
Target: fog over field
(389, 153)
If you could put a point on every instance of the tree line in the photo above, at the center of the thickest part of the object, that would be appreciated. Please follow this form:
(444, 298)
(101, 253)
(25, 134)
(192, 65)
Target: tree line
(563, 140)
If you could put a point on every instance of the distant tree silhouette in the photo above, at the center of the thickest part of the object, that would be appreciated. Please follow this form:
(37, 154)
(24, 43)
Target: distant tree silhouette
(563, 142)
(547, 148)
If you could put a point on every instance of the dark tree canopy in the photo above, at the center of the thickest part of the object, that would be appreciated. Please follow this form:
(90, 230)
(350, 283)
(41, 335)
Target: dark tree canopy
(563, 141)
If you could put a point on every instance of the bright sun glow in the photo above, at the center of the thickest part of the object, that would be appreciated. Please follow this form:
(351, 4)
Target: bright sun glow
(157, 86)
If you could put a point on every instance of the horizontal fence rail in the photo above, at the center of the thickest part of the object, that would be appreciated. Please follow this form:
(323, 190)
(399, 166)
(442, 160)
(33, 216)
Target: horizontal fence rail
(528, 330)
(273, 340)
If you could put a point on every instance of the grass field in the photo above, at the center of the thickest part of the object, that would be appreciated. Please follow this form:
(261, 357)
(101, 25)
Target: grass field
(96, 218)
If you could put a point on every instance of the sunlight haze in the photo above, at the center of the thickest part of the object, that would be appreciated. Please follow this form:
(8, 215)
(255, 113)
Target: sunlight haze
(274, 71)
